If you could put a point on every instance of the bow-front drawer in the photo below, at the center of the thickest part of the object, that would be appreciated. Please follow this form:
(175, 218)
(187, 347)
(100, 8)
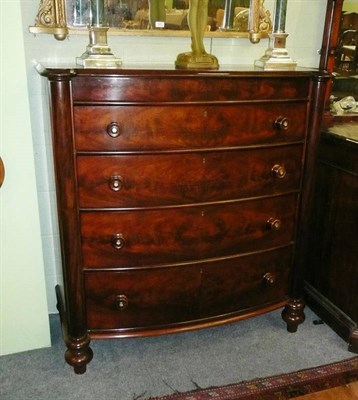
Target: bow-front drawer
(146, 237)
(151, 298)
(144, 128)
(167, 179)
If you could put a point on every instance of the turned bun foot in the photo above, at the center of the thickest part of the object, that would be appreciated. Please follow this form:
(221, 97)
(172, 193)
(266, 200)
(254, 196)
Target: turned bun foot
(79, 354)
(293, 314)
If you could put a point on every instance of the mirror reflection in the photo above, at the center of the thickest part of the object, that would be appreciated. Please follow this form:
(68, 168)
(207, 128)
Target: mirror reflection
(224, 15)
(347, 52)
(344, 93)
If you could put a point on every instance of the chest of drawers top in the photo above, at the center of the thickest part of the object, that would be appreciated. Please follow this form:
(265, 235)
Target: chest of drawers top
(169, 85)
(185, 89)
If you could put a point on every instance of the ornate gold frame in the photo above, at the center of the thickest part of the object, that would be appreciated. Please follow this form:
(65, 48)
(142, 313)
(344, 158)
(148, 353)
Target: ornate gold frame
(51, 19)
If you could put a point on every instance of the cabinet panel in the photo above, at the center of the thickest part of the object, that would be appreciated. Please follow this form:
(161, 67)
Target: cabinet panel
(335, 251)
(332, 275)
(334, 224)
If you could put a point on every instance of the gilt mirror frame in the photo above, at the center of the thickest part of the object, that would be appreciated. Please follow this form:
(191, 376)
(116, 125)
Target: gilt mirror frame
(51, 19)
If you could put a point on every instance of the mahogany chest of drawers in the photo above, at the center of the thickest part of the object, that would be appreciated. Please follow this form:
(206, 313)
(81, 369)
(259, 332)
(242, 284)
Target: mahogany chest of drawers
(181, 197)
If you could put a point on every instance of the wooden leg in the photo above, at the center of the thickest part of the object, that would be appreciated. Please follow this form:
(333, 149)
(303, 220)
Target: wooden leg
(293, 314)
(78, 353)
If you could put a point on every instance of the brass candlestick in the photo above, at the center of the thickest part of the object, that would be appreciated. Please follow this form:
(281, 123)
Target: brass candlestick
(98, 53)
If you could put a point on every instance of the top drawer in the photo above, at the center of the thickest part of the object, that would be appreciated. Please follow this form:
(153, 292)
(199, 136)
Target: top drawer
(174, 127)
(203, 87)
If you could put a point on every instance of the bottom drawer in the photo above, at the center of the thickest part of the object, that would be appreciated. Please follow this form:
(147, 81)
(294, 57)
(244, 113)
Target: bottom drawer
(159, 297)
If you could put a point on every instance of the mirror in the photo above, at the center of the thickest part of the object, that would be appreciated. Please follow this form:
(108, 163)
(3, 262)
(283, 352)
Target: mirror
(346, 57)
(339, 53)
(227, 18)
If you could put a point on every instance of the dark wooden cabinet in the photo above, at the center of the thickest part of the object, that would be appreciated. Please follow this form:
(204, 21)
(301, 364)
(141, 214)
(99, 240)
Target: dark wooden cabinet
(332, 273)
(181, 197)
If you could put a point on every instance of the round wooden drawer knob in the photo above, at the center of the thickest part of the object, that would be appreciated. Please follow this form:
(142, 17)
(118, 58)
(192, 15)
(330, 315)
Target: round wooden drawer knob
(282, 123)
(121, 302)
(116, 183)
(274, 224)
(113, 129)
(118, 241)
(279, 171)
(269, 279)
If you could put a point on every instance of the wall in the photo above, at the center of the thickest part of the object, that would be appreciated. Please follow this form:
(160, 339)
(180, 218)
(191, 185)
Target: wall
(24, 322)
(304, 24)
(350, 6)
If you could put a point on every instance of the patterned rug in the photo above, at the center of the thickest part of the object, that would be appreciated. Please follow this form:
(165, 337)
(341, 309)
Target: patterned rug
(279, 387)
